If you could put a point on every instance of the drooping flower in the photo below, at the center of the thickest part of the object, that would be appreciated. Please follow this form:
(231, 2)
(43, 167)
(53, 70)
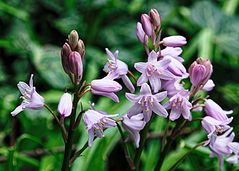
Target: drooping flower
(95, 123)
(173, 52)
(65, 105)
(134, 125)
(147, 103)
(179, 105)
(118, 69)
(214, 110)
(174, 41)
(234, 146)
(106, 87)
(31, 99)
(153, 71)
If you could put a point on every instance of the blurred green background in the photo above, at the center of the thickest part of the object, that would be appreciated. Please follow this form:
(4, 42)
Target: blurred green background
(31, 36)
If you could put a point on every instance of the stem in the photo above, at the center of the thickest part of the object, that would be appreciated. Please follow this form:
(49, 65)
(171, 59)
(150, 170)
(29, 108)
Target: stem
(68, 147)
(126, 149)
(63, 129)
(132, 75)
(141, 145)
(78, 153)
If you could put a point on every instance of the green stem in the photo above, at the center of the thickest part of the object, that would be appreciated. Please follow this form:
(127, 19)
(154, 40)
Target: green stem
(126, 149)
(141, 145)
(78, 153)
(68, 146)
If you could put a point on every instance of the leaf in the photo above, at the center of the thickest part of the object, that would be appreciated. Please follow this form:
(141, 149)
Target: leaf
(48, 63)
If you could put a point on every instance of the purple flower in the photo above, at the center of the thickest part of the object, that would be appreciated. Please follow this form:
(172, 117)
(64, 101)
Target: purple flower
(95, 123)
(179, 105)
(106, 87)
(31, 99)
(153, 71)
(146, 24)
(76, 66)
(146, 102)
(172, 51)
(65, 105)
(234, 146)
(155, 17)
(143, 38)
(214, 110)
(174, 41)
(172, 87)
(118, 69)
(134, 125)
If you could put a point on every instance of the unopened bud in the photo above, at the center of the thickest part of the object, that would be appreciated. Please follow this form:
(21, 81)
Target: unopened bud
(65, 52)
(76, 66)
(80, 48)
(143, 38)
(146, 24)
(73, 39)
(174, 41)
(155, 17)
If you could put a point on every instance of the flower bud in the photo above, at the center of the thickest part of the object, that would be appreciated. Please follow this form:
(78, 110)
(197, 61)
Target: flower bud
(146, 24)
(65, 52)
(65, 105)
(73, 39)
(76, 66)
(174, 41)
(200, 72)
(142, 37)
(80, 48)
(155, 17)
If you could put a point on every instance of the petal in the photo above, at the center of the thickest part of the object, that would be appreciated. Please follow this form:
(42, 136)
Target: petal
(159, 109)
(17, 110)
(128, 83)
(174, 114)
(147, 115)
(166, 75)
(134, 110)
(110, 54)
(142, 79)
(91, 137)
(112, 96)
(209, 85)
(155, 83)
(132, 97)
(140, 66)
(161, 96)
(31, 81)
(145, 89)
(187, 114)
(153, 56)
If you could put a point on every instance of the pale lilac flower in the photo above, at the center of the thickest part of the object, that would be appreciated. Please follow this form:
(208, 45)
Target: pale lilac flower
(214, 110)
(146, 24)
(209, 85)
(173, 52)
(134, 125)
(96, 122)
(143, 38)
(200, 71)
(174, 41)
(31, 99)
(153, 71)
(118, 69)
(147, 103)
(106, 87)
(65, 105)
(179, 105)
(172, 87)
(234, 146)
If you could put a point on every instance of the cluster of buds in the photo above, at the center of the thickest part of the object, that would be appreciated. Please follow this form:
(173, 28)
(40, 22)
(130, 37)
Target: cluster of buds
(71, 56)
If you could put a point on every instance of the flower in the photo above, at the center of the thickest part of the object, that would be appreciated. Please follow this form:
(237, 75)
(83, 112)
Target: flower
(209, 85)
(146, 24)
(155, 17)
(179, 105)
(172, 51)
(96, 122)
(76, 66)
(234, 146)
(153, 71)
(215, 111)
(118, 69)
(31, 99)
(174, 41)
(143, 38)
(146, 102)
(200, 71)
(134, 125)
(106, 87)
(65, 105)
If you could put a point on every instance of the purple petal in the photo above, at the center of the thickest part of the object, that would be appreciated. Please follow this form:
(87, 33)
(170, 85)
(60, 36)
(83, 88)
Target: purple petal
(110, 54)
(155, 83)
(145, 89)
(142, 79)
(159, 109)
(91, 137)
(18, 109)
(174, 114)
(153, 56)
(134, 110)
(160, 96)
(140, 66)
(112, 96)
(132, 97)
(128, 83)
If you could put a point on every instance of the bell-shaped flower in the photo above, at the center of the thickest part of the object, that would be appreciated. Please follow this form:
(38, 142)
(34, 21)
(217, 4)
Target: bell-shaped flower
(106, 87)
(174, 41)
(31, 99)
(65, 105)
(153, 71)
(214, 110)
(179, 105)
(147, 103)
(134, 125)
(234, 146)
(96, 122)
(118, 69)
